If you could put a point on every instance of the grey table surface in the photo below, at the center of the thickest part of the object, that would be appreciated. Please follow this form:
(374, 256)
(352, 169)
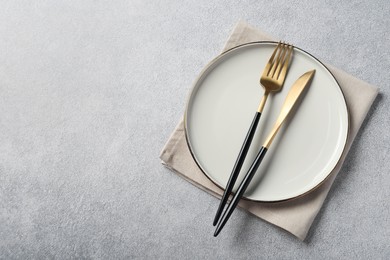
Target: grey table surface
(90, 92)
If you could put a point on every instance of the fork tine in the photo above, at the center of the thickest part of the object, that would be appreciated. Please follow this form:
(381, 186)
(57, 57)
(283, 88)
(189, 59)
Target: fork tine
(276, 62)
(271, 60)
(281, 61)
(283, 72)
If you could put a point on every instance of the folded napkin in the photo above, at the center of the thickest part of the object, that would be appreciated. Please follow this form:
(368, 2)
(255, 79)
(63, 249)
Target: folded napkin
(295, 216)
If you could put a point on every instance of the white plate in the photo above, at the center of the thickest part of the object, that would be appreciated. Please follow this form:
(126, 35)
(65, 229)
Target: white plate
(221, 107)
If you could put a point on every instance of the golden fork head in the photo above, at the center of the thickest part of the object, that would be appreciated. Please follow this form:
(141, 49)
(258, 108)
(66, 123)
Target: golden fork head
(275, 71)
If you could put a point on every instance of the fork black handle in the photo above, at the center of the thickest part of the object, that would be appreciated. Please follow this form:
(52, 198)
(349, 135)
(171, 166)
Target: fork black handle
(241, 189)
(237, 166)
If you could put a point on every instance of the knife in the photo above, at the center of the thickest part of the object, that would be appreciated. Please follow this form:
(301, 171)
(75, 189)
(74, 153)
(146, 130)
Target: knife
(293, 95)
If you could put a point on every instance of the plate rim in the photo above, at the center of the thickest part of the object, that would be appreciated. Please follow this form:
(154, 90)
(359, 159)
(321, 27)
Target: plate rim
(207, 67)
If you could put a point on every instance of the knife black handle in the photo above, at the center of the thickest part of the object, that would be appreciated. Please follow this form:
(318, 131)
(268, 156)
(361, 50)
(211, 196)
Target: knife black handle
(241, 189)
(237, 166)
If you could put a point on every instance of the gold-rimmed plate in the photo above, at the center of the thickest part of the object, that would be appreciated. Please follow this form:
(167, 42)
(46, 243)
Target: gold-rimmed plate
(220, 109)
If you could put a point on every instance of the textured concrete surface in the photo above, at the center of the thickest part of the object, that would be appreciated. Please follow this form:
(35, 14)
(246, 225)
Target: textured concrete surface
(91, 90)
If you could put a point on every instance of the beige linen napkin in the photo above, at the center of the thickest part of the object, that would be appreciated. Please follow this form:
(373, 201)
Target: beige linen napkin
(295, 216)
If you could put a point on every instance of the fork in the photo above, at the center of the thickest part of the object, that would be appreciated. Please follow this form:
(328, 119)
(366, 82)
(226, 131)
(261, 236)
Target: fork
(272, 80)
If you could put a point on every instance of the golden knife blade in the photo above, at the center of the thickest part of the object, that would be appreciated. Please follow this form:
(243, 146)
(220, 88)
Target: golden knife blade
(291, 98)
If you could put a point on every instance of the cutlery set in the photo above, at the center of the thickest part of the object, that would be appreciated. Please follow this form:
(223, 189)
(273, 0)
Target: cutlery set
(272, 80)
